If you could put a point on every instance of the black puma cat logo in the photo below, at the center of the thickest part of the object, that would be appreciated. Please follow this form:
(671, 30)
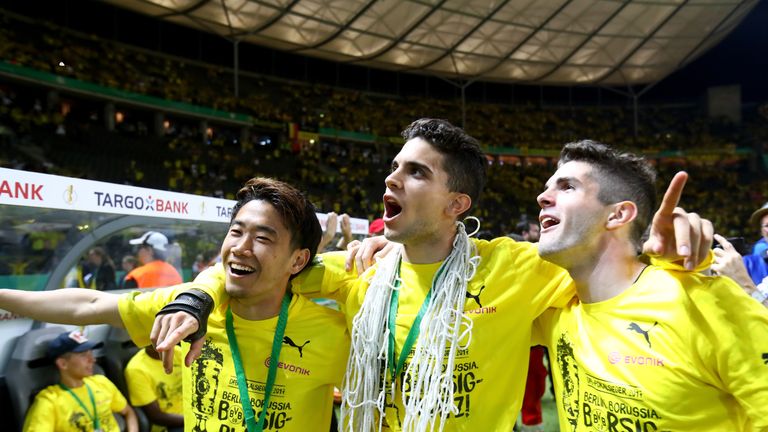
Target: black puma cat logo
(476, 296)
(288, 341)
(636, 328)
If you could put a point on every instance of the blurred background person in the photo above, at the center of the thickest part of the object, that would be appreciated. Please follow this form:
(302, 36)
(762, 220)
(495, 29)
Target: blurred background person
(203, 261)
(128, 263)
(760, 218)
(173, 254)
(153, 271)
(528, 230)
(102, 270)
(728, 262)
(155, 392)
(756, 263)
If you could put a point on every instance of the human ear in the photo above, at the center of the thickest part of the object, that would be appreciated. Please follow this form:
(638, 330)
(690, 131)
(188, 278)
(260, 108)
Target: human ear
(621, 214)
(61, 363)
(459, 204)
(300, 259)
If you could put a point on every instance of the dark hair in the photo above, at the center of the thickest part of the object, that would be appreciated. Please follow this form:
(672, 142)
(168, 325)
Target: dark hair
(621, 176)
(465, 161)
(130, 259)
(157, 254)
(524, 225)
(296, 211)
(105, 258)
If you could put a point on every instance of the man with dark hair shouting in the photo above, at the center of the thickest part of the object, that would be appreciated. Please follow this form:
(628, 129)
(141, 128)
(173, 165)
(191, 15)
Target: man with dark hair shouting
(441, 327)
(642, 348)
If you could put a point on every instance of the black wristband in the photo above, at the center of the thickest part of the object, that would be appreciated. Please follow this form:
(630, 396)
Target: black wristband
(196, 303)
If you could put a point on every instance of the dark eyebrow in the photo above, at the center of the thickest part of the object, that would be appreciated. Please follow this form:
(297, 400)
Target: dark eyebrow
(258, 228)
(561, 180)
(412, 165)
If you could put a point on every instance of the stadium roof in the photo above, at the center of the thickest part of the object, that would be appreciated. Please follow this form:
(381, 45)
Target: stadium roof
(593, 42)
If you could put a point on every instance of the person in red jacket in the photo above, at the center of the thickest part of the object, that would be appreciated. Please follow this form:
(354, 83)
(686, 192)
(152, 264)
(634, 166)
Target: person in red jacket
(154, 271)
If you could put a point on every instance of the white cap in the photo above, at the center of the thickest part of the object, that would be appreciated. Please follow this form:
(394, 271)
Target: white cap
(151, 238)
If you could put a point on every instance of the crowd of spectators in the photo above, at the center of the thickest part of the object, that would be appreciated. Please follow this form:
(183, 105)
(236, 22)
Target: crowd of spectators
(41, 130)
(47, 47)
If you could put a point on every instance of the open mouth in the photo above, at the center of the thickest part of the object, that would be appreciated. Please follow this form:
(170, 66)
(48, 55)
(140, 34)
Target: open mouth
(391, 208)
(548, 221)
(240, 269)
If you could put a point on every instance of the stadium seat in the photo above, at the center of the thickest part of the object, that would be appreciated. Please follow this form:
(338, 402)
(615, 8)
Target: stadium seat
(31, 371)
(118, 350)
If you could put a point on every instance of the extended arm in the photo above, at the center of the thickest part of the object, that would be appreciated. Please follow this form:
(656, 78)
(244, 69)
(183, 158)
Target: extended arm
(131, 421)
(330, 231)
(346, 233)
(77, 306)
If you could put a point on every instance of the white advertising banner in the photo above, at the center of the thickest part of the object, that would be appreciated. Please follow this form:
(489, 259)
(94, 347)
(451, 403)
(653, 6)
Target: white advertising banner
(30, 189)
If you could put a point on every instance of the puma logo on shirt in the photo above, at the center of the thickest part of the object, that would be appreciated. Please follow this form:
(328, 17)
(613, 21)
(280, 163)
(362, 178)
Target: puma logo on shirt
(288, 341)
(476, 297)
(636, 328)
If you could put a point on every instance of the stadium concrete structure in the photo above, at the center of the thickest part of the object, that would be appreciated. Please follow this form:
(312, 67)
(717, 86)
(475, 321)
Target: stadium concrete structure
(504, 60)
(615, 43)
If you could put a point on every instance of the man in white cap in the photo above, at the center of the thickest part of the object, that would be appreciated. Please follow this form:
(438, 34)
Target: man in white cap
(154, 271)
(81, 401)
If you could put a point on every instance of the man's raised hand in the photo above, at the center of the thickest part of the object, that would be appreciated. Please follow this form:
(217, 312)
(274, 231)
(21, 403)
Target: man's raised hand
(676, 234)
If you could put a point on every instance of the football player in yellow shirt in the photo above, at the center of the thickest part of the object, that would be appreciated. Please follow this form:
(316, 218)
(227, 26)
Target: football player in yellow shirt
(270, 359)
(157, 394)
(643, 348)
(81, 401)
(441, 328)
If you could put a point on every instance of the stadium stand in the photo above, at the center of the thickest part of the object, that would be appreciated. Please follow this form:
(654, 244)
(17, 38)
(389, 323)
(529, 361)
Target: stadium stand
(334, 142)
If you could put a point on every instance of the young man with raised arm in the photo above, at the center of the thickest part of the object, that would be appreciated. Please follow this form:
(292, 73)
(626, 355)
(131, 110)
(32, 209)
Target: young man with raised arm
(642, 348)
(441, 328)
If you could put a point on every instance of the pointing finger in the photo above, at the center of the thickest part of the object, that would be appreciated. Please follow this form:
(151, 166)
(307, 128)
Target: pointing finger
(673, 193)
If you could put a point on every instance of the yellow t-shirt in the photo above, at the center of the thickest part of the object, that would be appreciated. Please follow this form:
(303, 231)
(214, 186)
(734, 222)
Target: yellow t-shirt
(54, 408)
(511, 287)
(148, 382)
(676, 351)
(311, 363)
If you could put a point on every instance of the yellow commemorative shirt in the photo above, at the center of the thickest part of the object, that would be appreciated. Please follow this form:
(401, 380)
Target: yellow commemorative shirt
(674, 352)
(511, 287)
(148, 382)
(54, 408)
(312, 359)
